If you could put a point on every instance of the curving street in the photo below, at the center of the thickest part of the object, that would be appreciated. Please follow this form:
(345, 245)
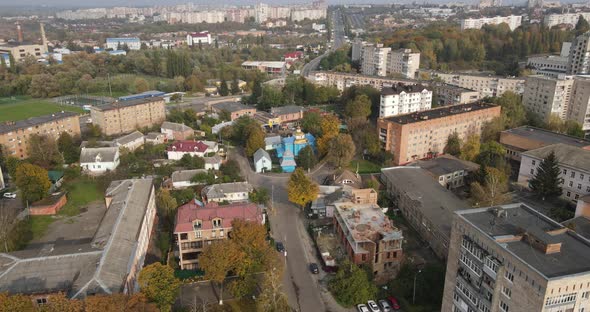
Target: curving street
(337, 42)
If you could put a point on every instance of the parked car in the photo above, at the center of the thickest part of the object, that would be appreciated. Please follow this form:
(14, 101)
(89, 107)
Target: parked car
(280, 247)
(313, 267)
(9, 195)
(385, 306)
(362, 308)
(373, 306)
(394, 303)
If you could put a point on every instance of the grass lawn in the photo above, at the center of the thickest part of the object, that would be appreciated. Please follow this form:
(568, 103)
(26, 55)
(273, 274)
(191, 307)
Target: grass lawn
(23, 108)
(364, 166)
(81, 192)
(39, 225)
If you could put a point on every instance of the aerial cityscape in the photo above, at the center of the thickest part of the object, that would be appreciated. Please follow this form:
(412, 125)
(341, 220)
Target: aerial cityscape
(295, 157)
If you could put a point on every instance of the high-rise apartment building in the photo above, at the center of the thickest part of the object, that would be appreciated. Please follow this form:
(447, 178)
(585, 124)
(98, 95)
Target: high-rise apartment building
(513, 22)
(512, 258)
(403, 99)
(374, 60)
(357, 49)
(579, 56)
(551, 20)
(547, 96)
(485, 85)
(579, 106)
(127, 116)
(403, 62)
(377, 60)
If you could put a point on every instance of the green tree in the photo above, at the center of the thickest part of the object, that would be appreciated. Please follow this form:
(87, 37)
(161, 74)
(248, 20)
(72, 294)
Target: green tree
(11, 164)
(582, 26)
(271, 97)
(167, 206)
(43, 151)
(158, 283)
(235, 86)
(301, 189)
(471, 147)
(141, 85)
(307, 158)
(492, 154)
(453, 146)
(223, 88)
(547, 181)
(67, 147)
(493, 191)
(260, 196)
(351, 285)
(341, 150)
(255, 141)
(218, 259)
(311, 123)
(32, 181)
(360, 107)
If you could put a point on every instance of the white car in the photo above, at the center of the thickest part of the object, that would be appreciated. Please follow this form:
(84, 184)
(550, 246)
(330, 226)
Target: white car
(9, 195)
(362, 308)
(373, 306)
(385, 306)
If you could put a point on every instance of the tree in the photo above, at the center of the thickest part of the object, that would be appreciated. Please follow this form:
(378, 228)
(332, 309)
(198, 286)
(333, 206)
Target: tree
(217, 260)
(235, 86)
(341, 150)
(351, 285)
(546, 181)
(32, 181)
(311, 123)
(453, 146)
(272, 298)
(260, 196)
(493, 191)
(223, 88)
(360, 107)
(11, 164)
(61, 303)
(270, 97)
(21, 303)
(158, 283)
(166, 205)
(470, 148)
(255, 141)
(307, 158)
(301, 189)
(67, 147)
(492, 154)
(582, 26)
(330, 126)
(141, 85)
(43, 151)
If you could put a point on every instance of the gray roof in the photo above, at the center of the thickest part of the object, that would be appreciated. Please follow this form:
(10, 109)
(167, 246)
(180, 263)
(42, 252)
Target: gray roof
(273, 140)
(99, 266)
(259, 154)
(231, 106)
(547, 137)
(128, 138)
(175, 126)
(520, 220)
(153, 135)
(185, 175)
(436, 203)
(128, 103)
(219, 190)
(284, 110)
(9, 126)
(568, 155)
(446, 164)
(107, 154)
(215, 159)
(402, 87)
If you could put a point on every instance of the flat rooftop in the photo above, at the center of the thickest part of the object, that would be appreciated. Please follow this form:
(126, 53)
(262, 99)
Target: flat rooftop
(439, 112)
(512, 226)
(568, 155)
(128, 103)
(547, 137)
(9, 126)
(398, 88)
(231, 106)
(446, 164)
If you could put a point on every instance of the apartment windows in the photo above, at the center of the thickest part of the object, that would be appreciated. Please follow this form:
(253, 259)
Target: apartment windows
(503, 306)
(41, 301)
(586, 295)
(564, 171)
(506, 291)
(573, 174)
(197, 224)
(534, 162)
(561, 299)
(183, 236)
(472, 248)
(198, 234)
(509, 276)
(216, 223)
(470, 264)
(491, 264)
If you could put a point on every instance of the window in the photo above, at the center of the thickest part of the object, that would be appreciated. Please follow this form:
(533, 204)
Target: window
(585, 295)
(470, 264)
(564, 171)
(571, 184)
(41, 301)
(534, 162)
(503, 306)
(197, 224)
(561, 299)
(582, 176)
(506, 291)
(569, 194)
(183, 236)
(573, 175)
(532, 171)
(579, 186)
(216, 223)
(509, 276)
(198, 234)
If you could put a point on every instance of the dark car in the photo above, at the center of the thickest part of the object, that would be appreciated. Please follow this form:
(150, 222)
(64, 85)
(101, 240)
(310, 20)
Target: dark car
(280, 247)
(394, 303)
(313, 267)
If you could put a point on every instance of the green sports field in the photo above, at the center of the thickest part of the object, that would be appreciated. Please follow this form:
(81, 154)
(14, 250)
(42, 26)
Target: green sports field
(23, 108)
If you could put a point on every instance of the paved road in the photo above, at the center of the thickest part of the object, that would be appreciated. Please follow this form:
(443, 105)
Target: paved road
(304, 292)
(337, 42)
(204, 101)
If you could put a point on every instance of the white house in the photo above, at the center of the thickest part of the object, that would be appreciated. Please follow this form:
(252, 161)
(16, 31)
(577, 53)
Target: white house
(130, 141)
(271, 143)
(212, 163)
(262, 161)
(182, 179)
(133, 43)
(203, 37)
(194, 148)
(99, 160)
(155, 138)
(230, 192)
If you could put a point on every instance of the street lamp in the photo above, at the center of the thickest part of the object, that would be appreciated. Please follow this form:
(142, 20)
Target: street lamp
(414, 296)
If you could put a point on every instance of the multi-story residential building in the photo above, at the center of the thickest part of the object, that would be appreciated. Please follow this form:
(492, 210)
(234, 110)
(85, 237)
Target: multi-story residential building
(374, 60)
(308, 13)
(176, 131)
(513, 258)
(485, 85)
(357, 49)
(551, 20)
(424, 134)
(546, 96)
(235, 109)
(403, 62)
(369, 237)
(118, 43)
(197, 226)
(513, 22)
(14, 135)
(127, 116)
(450, 171)
(550, 65)
(425, 204)
(579, 56)
(344, 80)
(403, 99)
(574, 163)
(271, 68)
(526, 138)
(106, 262)
(198, 38)
(579, 106)
(446, 94)
(227, 192)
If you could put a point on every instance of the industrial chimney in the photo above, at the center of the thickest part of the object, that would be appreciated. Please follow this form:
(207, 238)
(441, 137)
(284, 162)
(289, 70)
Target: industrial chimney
(19, 32)
(43, 37)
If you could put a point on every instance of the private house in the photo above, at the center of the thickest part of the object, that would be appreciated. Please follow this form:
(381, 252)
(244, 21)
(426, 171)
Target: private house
(197, 225)
(262, 161)
(98, 160)
(176, 131)
(130, 141)
(182, 179)
(272, 142)
(194, 148)
(288, 114)
(235, 109)
(346, 177)
(213, 162)
(227, 192)
(155, 138)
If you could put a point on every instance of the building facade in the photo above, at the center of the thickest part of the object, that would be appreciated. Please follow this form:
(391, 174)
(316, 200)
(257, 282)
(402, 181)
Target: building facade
(513, 21)
(450, 171)
(14, 135)
(424, 134)
(571, 19)
(99, 160)
(485, 85)
(579, 56)
(374, 60)
(21, 51)
(118, 43)
(546, 96)
(446, 94)
(579, 106)
(127, 116)
(227, 192)
(344, 80)
(403, 62)
(402, 99)
(176, 131)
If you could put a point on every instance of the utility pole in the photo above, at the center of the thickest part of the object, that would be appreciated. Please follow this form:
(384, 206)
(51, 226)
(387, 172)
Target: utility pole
(414, 295)
(109, 80)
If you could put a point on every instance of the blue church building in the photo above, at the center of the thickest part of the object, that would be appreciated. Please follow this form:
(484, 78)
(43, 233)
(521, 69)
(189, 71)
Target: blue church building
(289, 148)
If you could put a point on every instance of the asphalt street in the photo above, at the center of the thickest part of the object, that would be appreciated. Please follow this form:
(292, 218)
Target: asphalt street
(337, 42)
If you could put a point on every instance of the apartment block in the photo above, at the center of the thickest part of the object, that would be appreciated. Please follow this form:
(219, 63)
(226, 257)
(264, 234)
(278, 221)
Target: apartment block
(513, 21)
(546, 96)
(426, 205)
(447, 94)
(369, 237)
(485, 85)
(579, 56)
(197, 226)
(14, 135)
(402, 99)
(579, 106)
(551, 20)
(513, 258)
(374, 60)
(424, 134)
(21, 51)
(344, 80)
(118, 43)
(549, 65)
(357, 48)
(574, 164)
(403, 62)
(127, 116)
